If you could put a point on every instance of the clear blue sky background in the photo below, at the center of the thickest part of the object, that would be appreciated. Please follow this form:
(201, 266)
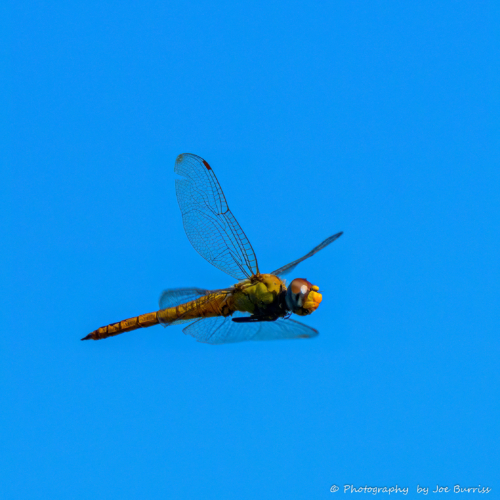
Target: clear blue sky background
(379, 119)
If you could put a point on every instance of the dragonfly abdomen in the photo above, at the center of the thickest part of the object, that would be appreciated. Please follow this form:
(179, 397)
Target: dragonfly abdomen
(127, 325)
(208, 306)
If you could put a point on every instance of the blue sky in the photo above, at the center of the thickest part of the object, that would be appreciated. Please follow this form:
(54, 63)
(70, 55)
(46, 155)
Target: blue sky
(379, 119)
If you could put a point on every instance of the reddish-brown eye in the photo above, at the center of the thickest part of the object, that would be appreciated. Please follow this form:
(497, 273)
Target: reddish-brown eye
(300, 285)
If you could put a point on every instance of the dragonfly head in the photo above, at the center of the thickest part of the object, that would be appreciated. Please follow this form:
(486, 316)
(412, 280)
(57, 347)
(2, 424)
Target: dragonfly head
(302, 297)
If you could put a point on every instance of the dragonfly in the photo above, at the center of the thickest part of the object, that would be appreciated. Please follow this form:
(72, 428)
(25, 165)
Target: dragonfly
(258, 306)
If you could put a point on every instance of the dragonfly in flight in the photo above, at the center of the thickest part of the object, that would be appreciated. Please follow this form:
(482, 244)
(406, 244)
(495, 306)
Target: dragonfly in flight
(258, 306)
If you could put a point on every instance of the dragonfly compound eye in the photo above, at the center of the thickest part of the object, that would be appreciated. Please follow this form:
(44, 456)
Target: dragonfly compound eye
(302, 297)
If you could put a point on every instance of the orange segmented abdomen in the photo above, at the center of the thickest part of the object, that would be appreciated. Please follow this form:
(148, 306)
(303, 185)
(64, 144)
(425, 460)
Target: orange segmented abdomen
(214, 304)
(127, 325)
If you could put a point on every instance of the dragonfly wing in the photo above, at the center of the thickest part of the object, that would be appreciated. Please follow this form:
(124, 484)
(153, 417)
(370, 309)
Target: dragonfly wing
(224, 330)
(209, 330)
(199, 298)
(284, 329)
(173, 297)
(282, 271)
(210, 226)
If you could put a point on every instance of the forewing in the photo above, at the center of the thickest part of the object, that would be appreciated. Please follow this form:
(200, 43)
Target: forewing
(282, 271)
(210, 226)
(224, 331)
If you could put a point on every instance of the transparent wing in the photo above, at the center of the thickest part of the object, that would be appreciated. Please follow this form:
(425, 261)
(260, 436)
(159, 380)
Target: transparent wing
(173, 297)
(209, 224)
(282, 271)
(200, 299)
(224, 331)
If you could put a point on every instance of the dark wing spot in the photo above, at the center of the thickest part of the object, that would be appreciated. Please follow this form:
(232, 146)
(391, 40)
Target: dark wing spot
(207, 165)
